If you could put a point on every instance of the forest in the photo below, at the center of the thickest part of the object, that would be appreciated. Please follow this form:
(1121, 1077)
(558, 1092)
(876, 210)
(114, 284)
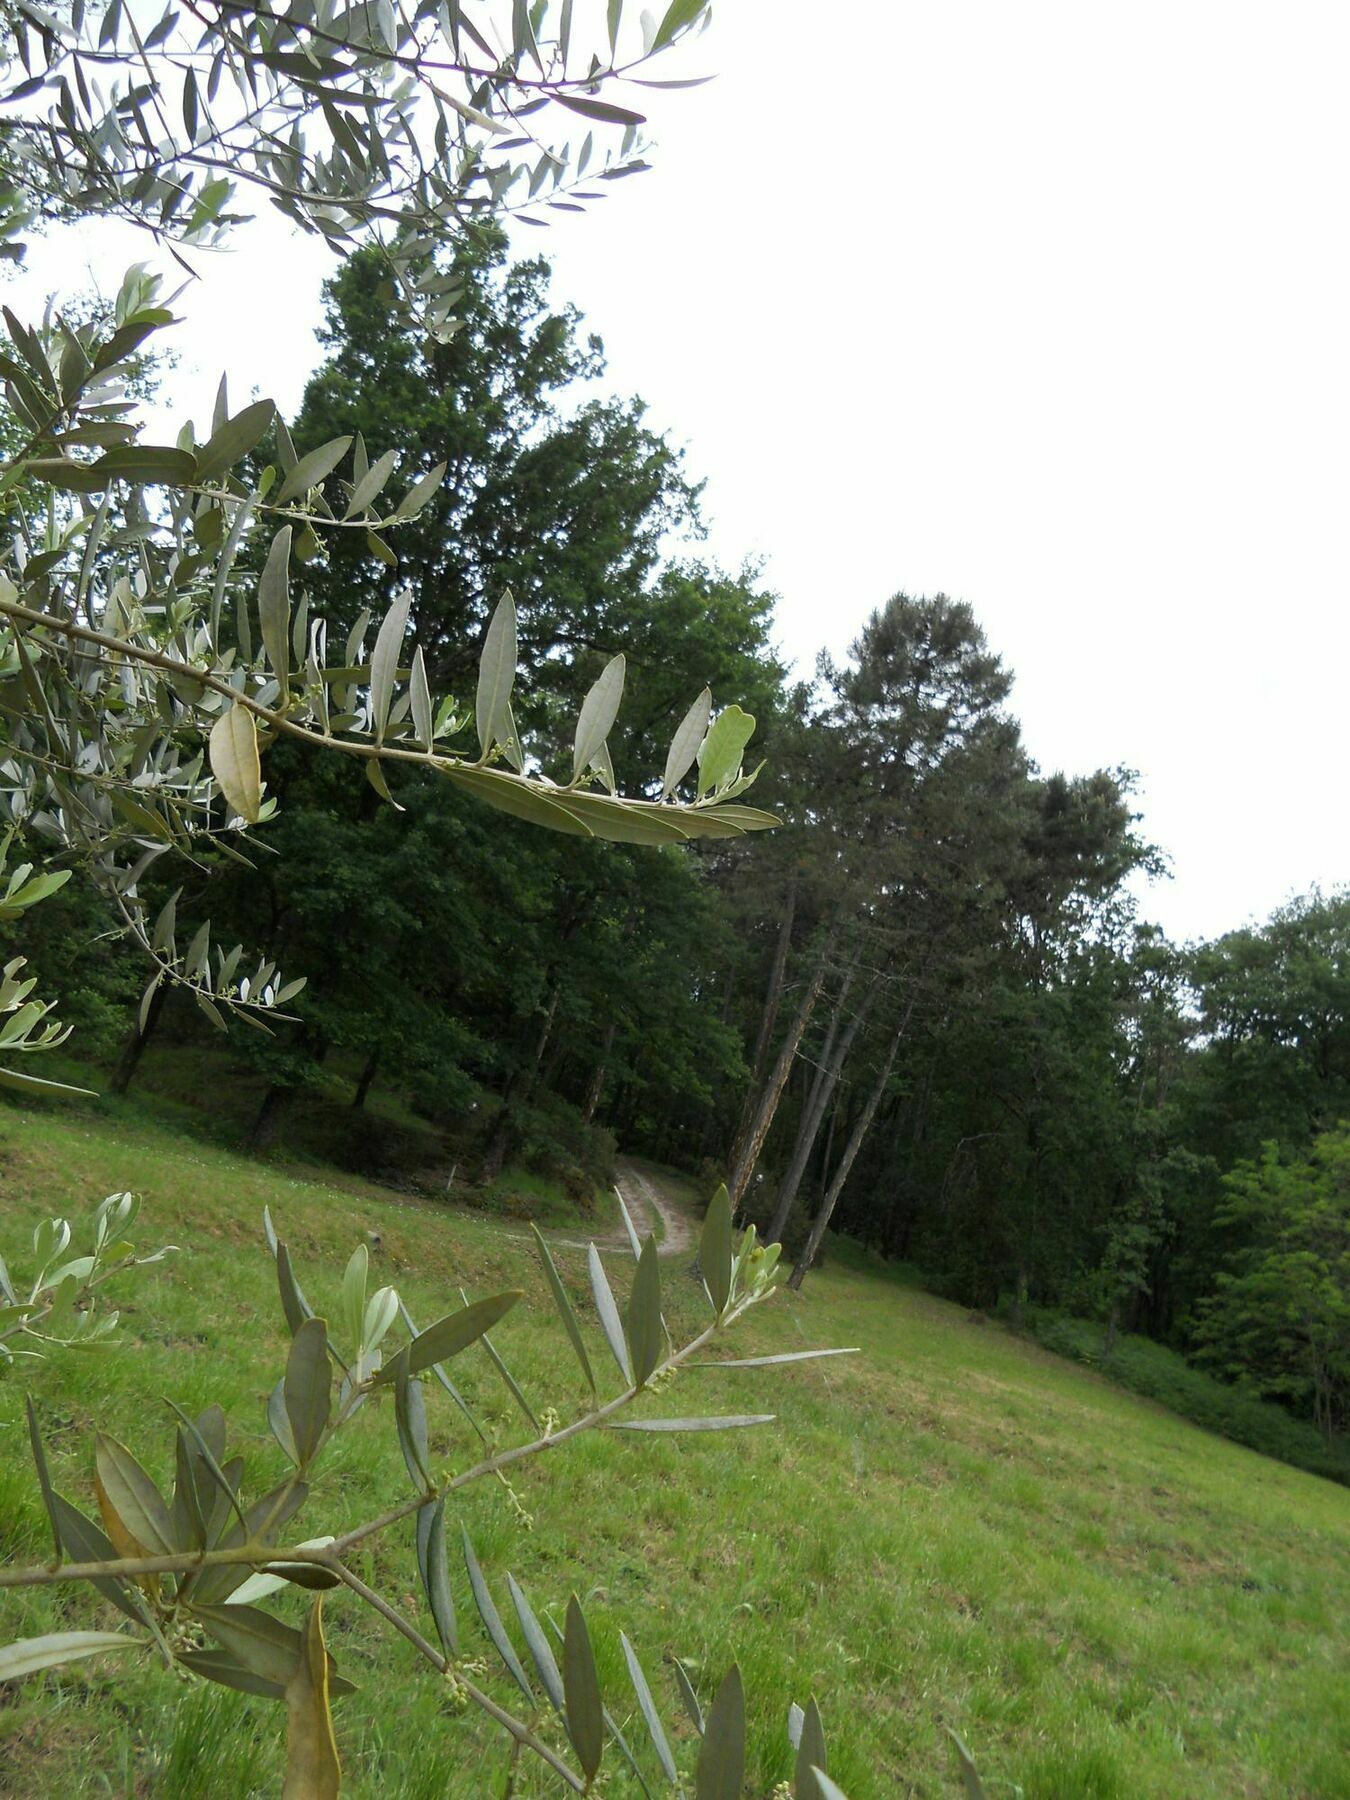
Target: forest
(928, 1011)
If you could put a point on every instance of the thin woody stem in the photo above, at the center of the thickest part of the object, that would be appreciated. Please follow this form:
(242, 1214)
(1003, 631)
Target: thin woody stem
(173, 665)
(520, 1732)
(256, 1554)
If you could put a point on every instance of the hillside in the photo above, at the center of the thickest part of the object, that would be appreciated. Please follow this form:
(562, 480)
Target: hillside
(955, 1527)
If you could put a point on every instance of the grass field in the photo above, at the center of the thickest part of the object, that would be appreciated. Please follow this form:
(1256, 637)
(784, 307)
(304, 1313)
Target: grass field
(953, 1528)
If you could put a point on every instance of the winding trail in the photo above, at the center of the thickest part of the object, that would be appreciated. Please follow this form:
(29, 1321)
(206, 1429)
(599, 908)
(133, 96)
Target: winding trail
(643, 1197)
(647, 1204)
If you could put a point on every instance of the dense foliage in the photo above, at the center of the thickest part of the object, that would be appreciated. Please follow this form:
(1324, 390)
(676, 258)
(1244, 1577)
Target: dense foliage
(925, 1010)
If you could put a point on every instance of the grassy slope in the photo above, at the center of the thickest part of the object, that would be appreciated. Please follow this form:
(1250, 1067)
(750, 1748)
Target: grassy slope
(954, 1527)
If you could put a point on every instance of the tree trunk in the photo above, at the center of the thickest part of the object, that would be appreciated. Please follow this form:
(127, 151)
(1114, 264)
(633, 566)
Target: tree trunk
(134, 1046)
(837, 1047)
(367, 1077)
(269, 1113)
(1019, 1306)
(763, 1115)
(851, 1149)
(768, 1019)
(597, 1086)
(827, 1156)
(774, 996)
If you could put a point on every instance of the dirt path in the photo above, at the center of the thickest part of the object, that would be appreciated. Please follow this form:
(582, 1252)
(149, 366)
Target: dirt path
(646, 1204)
(642, 1196)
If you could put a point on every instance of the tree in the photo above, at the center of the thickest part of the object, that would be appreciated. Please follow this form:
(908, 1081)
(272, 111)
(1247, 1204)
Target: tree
(508, 1010)
(913, 757)
(398, 125)
(155, 654)
(1280, 1319)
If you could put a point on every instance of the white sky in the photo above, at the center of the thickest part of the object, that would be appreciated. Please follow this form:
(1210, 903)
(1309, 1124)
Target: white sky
(1047, 308)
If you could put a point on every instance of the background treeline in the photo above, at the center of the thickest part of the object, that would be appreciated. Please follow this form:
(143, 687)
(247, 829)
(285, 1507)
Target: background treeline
(924, 1011)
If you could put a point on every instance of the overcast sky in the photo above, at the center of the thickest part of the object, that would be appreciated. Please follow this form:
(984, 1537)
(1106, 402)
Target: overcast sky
(1046, 307)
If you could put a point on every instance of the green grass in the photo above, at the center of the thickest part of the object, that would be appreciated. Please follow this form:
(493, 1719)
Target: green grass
(522, 1194)
(1161, 1374)
(200, 1089)
(954, 1528)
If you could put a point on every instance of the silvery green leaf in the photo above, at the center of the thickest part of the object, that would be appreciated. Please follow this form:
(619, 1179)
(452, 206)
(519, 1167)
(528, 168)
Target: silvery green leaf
(418, 495)
(384, 661)
(645, 1337)
(539, 1647)
(581, 1688)
(610, 1322)
(692, 730)
(689, 1697)
(293, 1302)
(715, 1250)
(764, 1362)
(233, 747)
(720, 1422)
(40, 1462)
(647, 1706)
(313, 469)
(162, 936)
(369, 487)
(492, 1623)
(198, 952)
(496, 674)
(83, 1541)
(375, 776)
(455, 1332)
(356, 639)
(410, 1415)
(232, 441)
(811, 1756)
(29, 1656)
(444, 1379)
(354, 1295)
(599, 710)
(279, 1421)
(721, 1756)
(381, 1311)
(128, 1492)
(435, 1572)
(678, 15)
(308, 1388)
(604, 768)
(564, 1306)
(421, 699)
(628, 1225)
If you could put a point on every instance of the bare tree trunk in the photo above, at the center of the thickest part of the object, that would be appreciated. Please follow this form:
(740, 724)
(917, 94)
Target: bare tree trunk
(269, 1114)
(828, 1157)
(762, 1118)
(851, 1149)
(134, 1046)
(774, 995)
(597, 1086)
(366, 1078)
(822, 1092)
(768, 1019)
